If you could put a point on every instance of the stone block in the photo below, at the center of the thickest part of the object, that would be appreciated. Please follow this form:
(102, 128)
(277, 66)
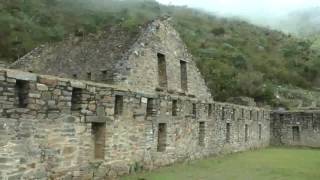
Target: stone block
(66, 110)
(53, 115)
(15, 176)
(46, 96)
(96, 119)
(2, 78)
(11, 80)
(87, 112)
(62, 83)
(22, 75)
(92, 89)
(22, 110)
(40, 102)
(92, 107)
(48, 81)
(57, 92)
(67, 93)
(52, 103)
(34, 95)
(65, 98)
(42, 87)
(78, 84)
(144, 100)
(11, 90)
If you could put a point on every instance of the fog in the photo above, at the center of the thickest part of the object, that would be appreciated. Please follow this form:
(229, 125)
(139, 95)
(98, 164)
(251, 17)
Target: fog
(263, 12)
(248, 8)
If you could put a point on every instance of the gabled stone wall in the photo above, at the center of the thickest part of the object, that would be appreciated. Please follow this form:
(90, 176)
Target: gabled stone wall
(142, 63)
(63, 135)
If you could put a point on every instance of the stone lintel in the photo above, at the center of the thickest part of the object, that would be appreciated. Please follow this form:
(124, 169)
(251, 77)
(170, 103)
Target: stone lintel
(78, 84)
(96, 119)
(20, 75)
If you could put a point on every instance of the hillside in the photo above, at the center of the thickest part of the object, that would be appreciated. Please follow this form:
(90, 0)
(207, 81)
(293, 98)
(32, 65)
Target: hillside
(235, 57)
(303, 23)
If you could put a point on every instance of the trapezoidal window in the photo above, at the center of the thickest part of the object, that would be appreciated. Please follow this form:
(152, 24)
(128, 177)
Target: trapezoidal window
(202, 131)
(22, 90)
(228, 132)
(281, 117)
(246, 132)
(209, 110)
(194, 110)
(98, 132)
(296, 133)
(150, 107)
(314, 122)
(174, 108)
(233, 114)
(76, 99)
(184, 75)
(223, 113)
(162, 137)
(162, 70)
(89, 76)
(260, 131)
(104, 75)
(118, 106)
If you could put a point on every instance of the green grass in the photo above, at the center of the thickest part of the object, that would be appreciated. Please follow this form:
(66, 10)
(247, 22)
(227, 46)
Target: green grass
(266, 164)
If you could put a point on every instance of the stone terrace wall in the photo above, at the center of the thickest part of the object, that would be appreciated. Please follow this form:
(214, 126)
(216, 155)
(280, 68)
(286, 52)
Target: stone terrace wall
(60, 128)
(298, 128)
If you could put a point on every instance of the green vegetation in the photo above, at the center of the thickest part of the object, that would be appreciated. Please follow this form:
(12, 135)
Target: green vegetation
(235, 57)
(267, 164)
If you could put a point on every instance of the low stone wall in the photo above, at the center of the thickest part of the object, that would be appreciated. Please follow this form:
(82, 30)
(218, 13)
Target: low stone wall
(61, 128)
(296, 128)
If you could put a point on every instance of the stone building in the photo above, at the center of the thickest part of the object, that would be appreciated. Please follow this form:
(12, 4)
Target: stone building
(154, 59)
(296, 128)
(112, 104)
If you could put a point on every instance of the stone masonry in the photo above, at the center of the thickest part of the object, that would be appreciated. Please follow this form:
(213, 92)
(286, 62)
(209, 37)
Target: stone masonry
(296, 128)
(114, 131)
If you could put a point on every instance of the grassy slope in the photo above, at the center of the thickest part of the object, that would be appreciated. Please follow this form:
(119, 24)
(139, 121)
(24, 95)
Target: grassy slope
(267, 164)
(236, 58)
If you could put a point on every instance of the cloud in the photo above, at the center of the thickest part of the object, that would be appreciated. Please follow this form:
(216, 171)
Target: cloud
(248, 8)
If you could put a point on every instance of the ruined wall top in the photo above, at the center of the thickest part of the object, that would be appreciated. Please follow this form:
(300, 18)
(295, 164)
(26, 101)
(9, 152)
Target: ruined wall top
(27, 94)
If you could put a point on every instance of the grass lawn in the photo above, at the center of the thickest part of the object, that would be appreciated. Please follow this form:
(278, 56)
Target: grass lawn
(266, 164)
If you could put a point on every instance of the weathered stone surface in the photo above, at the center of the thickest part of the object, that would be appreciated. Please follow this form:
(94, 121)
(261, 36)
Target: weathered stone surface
(22, 75)
(78, 84)
(48, 81)
(34, 95)
(60, 136)
(296, 128)
(42, 87)
(2, 78)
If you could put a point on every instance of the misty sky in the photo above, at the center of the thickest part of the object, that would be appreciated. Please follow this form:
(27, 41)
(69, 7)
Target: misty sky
(268, 9)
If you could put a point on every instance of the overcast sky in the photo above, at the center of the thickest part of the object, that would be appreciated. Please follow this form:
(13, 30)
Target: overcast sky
(268, 9)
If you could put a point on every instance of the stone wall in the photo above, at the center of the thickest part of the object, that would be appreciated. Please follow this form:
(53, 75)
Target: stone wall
(78, 130)
(160, 37)
(296, 128)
